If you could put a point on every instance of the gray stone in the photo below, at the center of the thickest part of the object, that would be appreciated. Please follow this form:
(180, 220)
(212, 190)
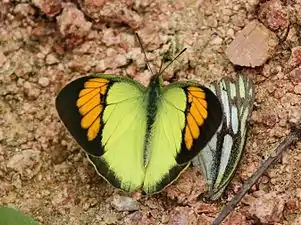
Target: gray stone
(252, 46)
(124, 203)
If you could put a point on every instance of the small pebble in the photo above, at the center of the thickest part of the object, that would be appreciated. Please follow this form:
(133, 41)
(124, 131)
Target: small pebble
(124, 203)
(51, 59)
(43, 81)
(295, 58)
(268, 207)
(216, 41)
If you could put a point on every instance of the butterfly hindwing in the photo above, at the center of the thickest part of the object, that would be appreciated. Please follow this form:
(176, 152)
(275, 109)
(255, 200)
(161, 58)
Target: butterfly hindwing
(220, 158)
(187, 117)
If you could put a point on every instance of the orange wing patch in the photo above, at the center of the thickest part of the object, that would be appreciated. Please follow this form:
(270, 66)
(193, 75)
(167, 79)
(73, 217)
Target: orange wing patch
(90, 106)
(196, 114)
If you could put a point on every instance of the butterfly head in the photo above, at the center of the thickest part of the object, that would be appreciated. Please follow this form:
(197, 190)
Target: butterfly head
(156, 80)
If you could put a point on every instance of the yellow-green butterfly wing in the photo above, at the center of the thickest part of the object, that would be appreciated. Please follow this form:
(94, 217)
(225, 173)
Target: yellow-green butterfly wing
(187, 117)
(107, 116)
(138, 137)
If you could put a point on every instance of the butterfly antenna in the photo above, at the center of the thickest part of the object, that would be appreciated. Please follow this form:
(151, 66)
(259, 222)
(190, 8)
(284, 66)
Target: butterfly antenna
(161, 65)
(143, 50)
(172, 61)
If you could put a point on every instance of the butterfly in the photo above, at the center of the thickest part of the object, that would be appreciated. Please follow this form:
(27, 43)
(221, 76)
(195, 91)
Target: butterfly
(220, 158)
(137, 137)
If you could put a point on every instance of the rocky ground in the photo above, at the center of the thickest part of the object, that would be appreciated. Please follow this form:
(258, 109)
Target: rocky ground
(46, 43)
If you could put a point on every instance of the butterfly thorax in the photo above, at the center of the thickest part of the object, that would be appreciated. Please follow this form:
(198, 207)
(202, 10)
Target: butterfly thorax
(154, 90)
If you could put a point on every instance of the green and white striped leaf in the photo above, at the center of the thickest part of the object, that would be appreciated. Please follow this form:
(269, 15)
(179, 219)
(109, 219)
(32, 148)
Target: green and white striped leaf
(220, 158)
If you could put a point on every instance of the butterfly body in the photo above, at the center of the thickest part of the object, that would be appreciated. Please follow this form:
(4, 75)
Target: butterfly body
(139, 137)
(153, 95)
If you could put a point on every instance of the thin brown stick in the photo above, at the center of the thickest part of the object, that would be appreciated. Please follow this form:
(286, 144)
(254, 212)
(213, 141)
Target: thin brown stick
(291, 138)
(144, 53)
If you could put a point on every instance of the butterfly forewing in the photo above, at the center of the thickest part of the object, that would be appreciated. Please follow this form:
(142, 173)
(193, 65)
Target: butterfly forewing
(220, 158)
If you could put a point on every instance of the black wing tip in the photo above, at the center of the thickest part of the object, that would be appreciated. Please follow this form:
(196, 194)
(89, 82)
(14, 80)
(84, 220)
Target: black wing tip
(65, 103)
